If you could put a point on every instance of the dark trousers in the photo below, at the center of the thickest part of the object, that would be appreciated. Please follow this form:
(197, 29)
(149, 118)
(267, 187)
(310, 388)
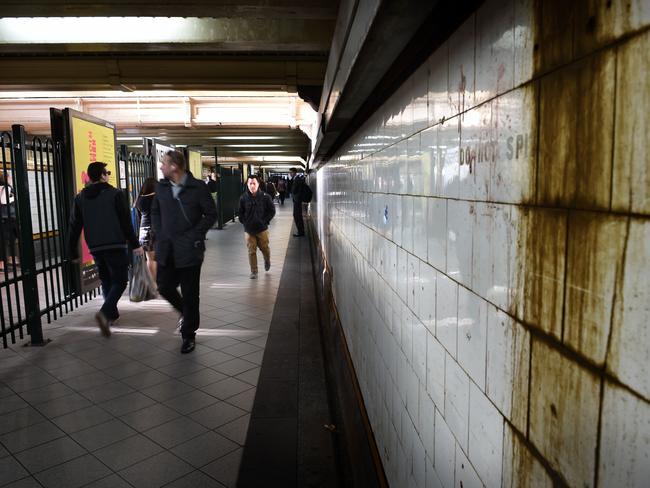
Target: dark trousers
(168, 278)
(282, 195)
(113, 267)
(297, 217)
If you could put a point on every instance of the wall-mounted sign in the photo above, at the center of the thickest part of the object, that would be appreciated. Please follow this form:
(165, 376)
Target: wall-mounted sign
(195, 166)
(91, 140)
(159, 152)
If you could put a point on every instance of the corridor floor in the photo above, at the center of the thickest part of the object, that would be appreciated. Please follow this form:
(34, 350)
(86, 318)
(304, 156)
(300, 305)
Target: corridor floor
(130, 410)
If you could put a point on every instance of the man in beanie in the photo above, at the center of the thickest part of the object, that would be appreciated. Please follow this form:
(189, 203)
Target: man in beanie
(102, 212)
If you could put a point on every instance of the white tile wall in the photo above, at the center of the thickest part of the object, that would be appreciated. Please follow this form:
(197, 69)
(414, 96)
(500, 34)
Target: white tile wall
(457, 400)
(485, 436)
(445, 451)
(450, 277)
(436, 372)
(472, 335)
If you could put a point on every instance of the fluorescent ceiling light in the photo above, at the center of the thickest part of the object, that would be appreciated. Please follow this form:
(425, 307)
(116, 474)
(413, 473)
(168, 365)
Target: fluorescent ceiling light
(119, 30)
(251, 145)
(246, 138)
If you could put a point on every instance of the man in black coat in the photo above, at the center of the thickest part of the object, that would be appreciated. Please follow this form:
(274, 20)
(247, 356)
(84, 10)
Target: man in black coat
(182, 213)
(101, 210)
(297, 182)
(256, 210)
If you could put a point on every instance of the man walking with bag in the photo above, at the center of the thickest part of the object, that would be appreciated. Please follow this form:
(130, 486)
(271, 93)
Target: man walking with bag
(101, 210)
(182, 213)
(256, 210)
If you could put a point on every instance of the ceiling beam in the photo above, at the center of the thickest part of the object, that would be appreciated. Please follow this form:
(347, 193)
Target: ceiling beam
(294, 9)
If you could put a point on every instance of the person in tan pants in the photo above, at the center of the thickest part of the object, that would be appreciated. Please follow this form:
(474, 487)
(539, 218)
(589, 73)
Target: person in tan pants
(256, 210)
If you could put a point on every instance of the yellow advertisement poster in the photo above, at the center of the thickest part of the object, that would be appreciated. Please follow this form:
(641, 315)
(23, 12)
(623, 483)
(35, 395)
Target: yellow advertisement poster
(195, 164)
(91, 142)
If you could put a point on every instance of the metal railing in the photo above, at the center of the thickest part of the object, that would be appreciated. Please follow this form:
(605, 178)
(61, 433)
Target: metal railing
(37, 280)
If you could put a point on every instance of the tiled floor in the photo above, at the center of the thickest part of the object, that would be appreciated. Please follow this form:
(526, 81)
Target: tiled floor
(131, 410)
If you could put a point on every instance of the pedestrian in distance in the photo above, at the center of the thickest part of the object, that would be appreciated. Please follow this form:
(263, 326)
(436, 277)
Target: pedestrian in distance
(102, 212)
(297, 182)
(9, 225)
(146, 236)
(181, 214)
(256, 210)
(282, 190)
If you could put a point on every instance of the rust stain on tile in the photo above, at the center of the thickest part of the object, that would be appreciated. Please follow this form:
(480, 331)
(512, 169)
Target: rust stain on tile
(553, 34)
(595, 254)
(631, 175)
(520, 467)
(564, 411)
(540, 269)
(576, 134)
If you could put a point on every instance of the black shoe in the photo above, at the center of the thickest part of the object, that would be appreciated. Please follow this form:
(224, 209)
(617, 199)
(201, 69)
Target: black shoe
(267, 265)
(298, 235)
(104, 323)
(188, 346)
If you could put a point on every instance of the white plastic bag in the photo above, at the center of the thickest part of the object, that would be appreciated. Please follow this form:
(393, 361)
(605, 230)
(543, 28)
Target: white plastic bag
(142, 285)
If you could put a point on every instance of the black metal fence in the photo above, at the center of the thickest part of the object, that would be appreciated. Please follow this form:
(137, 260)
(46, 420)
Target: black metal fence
(36, 280)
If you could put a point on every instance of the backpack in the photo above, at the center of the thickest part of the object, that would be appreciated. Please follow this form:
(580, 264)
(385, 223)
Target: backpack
(306, 194)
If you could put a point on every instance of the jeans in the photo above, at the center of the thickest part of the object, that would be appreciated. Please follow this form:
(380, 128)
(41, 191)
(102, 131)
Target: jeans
(253, 241)
(113, 267)
(187, 304)
(297, 217)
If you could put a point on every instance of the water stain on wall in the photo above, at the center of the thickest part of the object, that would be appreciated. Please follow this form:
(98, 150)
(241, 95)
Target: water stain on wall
(595, 254)
(540, 269)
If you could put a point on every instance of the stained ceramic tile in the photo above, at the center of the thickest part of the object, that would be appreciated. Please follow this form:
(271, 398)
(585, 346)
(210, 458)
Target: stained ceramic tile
(539, 269)
(576, 134)
(595, 253)
(524, 39)
(564, 410)
(520, 466)
(508, 357)
(631, 175)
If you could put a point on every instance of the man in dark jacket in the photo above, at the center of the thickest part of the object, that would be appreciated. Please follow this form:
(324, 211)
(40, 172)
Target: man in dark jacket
(182, 213)
(256, 210)
(101, 210)
(296, 195)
